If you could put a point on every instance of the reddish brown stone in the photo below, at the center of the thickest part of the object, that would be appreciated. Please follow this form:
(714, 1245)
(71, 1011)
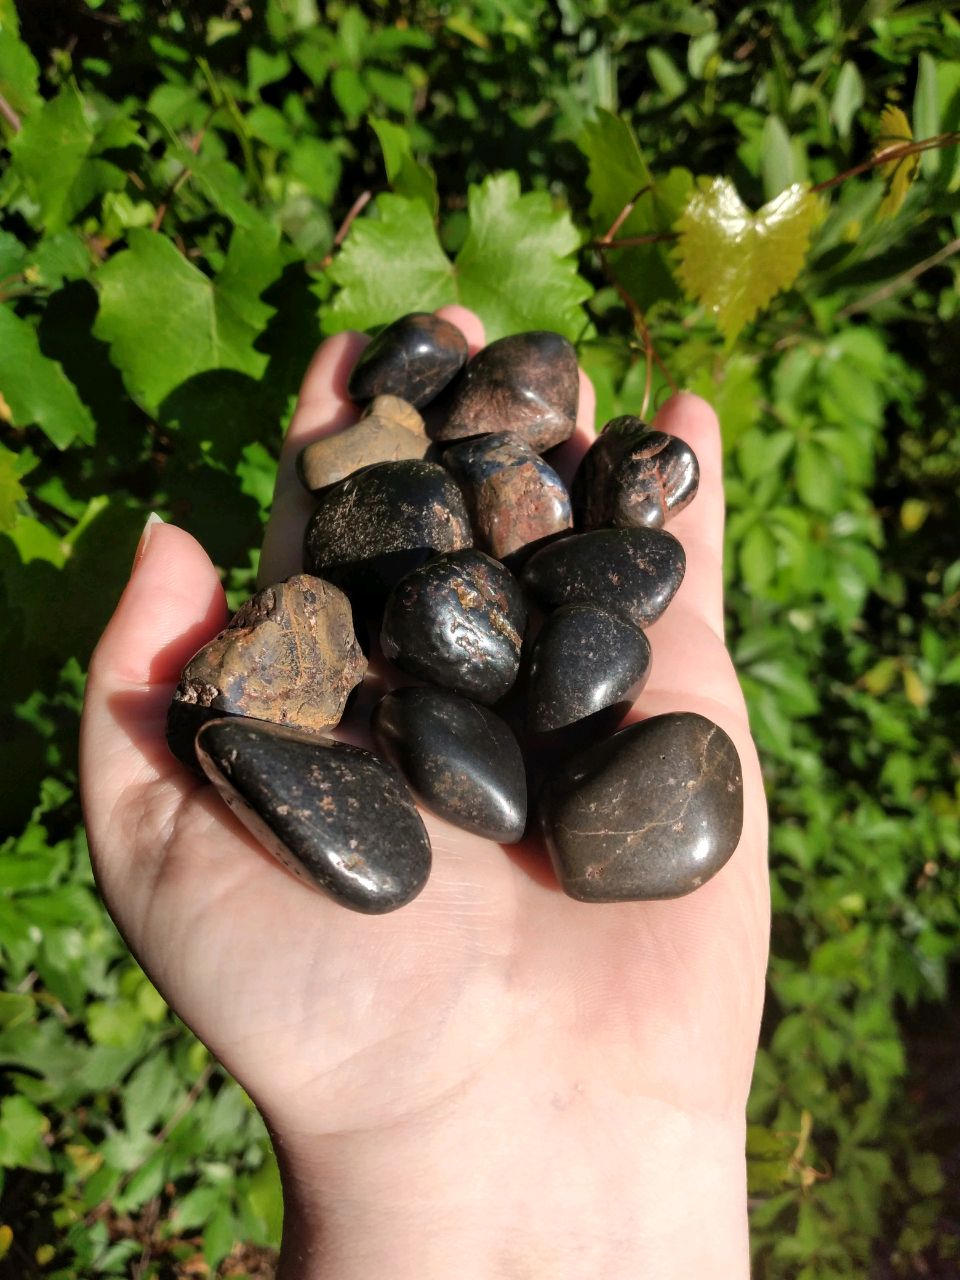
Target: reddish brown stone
(515, 500)
(289, 655)
(372, 439)
(415, 357)
(634, 477)
(527, 384)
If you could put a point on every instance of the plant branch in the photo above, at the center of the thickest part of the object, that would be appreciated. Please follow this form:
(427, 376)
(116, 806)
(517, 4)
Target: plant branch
(196, 142)
(623, 215)
(358, 206)
(898, 282)
(631, 242)
(8, 113)
(889, 155)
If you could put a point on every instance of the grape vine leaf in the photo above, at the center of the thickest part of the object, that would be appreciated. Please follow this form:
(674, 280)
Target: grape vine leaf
(515, 268)
(406, 175)
(166, 321)
(733, 261)
(899, 174)
(12, 492)
(19, 73)
(64, 188)
(34, 388)
(617, 172)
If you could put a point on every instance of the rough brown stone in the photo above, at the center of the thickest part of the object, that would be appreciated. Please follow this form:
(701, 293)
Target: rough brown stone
(395, 409)
(372, 439)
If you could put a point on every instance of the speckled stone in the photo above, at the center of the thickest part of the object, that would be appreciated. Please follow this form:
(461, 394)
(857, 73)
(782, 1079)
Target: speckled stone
(633, 477)
(516, 501)
(527, 384)
(378, 524)
(414, 358)
(289, 655)
(653, 812)
(458, 622)
(585, 660)
(633, 572)
(373, 439)
(337, 817)
(461, 760)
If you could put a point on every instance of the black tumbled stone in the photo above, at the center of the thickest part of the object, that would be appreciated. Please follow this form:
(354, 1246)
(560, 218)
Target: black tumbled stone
(633, 477)
(458, 622)
(585, 660)
(414, 358)
(378, 524)
(633, 572)
(653, 812)
(461, 760)
(336, 816)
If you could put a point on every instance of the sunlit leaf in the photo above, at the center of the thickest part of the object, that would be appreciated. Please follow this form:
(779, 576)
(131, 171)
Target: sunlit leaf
(897, 174)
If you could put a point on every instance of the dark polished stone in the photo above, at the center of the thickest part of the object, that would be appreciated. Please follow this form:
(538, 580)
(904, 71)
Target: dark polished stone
(527, 384)
(334, 815)
(652, 812)
(633, 477)
(378, 524)
(514, 498)
(414, 358)
(371, 440)
(585, 660)
(289, 655)
(461, 760)
(633, 572)
(458, 622)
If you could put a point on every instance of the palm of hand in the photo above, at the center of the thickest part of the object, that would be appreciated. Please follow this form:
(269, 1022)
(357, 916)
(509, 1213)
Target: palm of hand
(336, 1022)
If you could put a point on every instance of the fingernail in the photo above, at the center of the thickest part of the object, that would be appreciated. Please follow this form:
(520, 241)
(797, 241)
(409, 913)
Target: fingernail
(152, 521)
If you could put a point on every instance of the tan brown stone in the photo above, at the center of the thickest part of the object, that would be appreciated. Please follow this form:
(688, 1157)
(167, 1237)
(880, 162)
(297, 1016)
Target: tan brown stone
(372, 439)
(394, 409)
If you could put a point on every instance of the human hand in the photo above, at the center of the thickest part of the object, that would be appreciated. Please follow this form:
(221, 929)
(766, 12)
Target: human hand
(496, 1080)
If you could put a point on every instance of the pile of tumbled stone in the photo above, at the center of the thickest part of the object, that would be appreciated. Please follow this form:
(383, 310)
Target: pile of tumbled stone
(452, 546)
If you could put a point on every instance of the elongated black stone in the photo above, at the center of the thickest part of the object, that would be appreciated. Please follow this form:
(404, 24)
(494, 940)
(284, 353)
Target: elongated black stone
(653, 812)
(414, 358)
(461, 760)
(633, 476)
(378, 524)
(336, 816)
(633, 572)
(585, 660)
(458, 622)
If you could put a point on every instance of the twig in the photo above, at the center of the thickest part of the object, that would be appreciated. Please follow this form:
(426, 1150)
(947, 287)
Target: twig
(890, 154)
(898, 282)
(631, 242)
(623, 215)
(196, 142)
(358, 206)
(8, 113)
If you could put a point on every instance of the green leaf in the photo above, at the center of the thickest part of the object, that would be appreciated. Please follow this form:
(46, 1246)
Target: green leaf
(758, 553)
(166, 321)
(669, 77)
(65, 188)
(22, 1128)
(733, 261)
(404, 173)
(19, 73)
(516, 268)
(389, 265)
(848, 98)
(778, 163)
(35, 389)
(898, 175)
(12, 492)
(926, 111)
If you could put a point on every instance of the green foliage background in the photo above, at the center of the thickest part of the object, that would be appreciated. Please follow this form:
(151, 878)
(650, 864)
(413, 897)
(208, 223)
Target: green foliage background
(172, 181)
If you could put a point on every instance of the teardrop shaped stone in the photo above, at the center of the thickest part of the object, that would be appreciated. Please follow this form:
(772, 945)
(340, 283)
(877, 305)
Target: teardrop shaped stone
(633, 476)
(288, 655)
(461, 760)
(585, 660)
(527, 384)
(633, 572)
(458, 622)
(414, 358)
(515, 500)
(378, 524)
(653, 812)
(336, 816)
(369, 441)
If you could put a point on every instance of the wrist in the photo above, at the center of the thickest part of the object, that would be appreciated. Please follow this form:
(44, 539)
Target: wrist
(639, 1191)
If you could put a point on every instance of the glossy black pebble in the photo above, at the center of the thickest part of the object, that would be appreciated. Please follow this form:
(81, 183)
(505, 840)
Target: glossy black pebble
(633, 477)
(461, 760)
(633, 572)
(527, 384)
(378, 524)
(653, 812)
(336, 816)
(414, 358)
(458, 622)
(585, 660)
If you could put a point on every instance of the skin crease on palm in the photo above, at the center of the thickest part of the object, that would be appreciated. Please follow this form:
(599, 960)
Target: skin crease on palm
(495, 1080)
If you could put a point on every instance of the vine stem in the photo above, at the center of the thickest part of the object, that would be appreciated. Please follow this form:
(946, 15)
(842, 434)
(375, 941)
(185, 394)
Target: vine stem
(8, 113)
(889, 155)
(196, 142)
(358, 206)
(898, 282)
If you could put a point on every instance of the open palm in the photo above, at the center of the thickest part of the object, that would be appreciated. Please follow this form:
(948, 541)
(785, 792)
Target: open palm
(492, 992)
